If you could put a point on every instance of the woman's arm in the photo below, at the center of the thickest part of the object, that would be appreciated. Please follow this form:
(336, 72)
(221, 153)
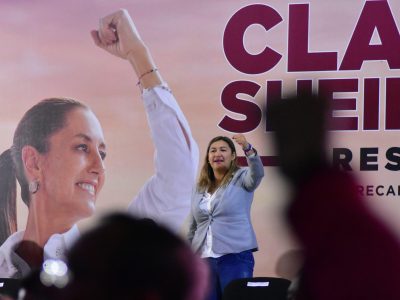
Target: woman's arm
(165, 197)
(255, 171)
(118, 35)
(192, 228)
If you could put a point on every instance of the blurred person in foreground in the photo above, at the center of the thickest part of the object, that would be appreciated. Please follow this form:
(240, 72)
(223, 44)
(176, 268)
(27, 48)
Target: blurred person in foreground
(122, 258)
(349, 254)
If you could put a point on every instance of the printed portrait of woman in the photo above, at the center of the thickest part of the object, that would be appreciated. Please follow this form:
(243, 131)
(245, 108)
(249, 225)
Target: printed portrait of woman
(58, 157)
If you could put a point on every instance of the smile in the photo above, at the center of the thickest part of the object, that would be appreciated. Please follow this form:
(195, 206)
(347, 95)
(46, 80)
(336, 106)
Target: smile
(87, 187)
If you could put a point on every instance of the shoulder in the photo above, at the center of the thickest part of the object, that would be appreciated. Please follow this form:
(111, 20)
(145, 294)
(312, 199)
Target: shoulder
(239, 173)
(11, 241)
(59, 243)
(7, 268)
(197, 193)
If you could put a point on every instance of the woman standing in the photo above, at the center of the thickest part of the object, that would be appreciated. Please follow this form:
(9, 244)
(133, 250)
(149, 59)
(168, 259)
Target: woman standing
(58, 154)
(221, 229)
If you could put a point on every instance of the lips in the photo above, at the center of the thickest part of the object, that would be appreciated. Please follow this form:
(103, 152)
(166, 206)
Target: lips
(89, 187)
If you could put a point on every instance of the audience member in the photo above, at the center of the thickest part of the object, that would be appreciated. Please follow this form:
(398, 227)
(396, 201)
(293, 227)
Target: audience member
(349, 254)
(123, 258)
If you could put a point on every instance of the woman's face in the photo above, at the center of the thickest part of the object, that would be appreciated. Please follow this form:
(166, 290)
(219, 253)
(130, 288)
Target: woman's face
(72, 171)
(220, 156)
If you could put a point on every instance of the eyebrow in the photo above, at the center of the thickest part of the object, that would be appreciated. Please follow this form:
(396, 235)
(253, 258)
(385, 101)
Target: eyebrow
(89, 139)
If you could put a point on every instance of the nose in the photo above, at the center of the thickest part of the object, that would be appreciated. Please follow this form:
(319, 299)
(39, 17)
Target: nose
(218, 153)
(97, 165)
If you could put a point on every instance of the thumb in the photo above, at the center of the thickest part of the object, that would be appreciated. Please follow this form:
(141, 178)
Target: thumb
(96, 38)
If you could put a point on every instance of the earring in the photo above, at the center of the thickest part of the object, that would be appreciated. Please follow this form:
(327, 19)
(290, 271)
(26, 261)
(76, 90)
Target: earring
(33, 186)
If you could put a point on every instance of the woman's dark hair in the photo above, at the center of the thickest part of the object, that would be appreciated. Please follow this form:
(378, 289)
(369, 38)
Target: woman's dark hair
(35, 128)
(207, 178)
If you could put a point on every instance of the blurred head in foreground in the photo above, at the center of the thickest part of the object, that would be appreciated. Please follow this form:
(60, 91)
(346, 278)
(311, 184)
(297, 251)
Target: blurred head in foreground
(300, 126)
(126, 258)
(340, 236)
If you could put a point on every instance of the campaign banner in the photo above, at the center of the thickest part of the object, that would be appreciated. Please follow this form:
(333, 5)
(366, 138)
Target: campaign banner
(223, 60)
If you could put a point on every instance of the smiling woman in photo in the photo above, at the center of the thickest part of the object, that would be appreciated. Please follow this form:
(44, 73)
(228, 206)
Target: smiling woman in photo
(58, 153)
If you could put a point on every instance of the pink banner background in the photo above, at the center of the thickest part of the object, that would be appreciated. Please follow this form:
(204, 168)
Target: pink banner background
(47, 51)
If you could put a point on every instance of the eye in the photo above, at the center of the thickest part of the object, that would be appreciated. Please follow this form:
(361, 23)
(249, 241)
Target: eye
(83, 147)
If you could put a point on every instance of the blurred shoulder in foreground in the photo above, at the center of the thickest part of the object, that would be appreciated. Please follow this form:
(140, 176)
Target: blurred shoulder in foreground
(348, 252)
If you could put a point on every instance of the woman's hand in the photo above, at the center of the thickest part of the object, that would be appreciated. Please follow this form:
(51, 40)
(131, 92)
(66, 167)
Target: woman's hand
(240, 139)
(118, 35)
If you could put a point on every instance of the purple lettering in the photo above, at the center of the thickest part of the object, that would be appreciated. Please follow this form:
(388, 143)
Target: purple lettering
(232, 103)
(327, 88)
(370, 190)
(299, 57)
(378, 192)
(369, 159)
(375, 14)
(234, 48)
(371, 104)
(392, 103)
